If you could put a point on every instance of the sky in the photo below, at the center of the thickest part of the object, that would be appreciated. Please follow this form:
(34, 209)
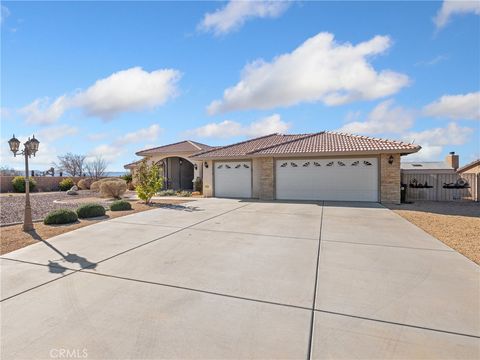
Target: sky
(112, 78)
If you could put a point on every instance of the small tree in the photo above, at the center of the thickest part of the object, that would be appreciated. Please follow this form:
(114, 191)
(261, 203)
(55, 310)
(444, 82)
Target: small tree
(96, 168)
(72, 164)
(148, 180)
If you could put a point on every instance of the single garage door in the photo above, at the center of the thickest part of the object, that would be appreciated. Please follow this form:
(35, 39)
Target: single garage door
(233, 179)
(346, 179)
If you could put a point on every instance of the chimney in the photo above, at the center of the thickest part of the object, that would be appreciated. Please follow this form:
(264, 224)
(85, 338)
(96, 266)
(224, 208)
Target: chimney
(452, 160)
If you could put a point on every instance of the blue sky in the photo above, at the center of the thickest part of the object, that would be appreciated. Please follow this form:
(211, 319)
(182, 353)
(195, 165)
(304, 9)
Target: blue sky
(111, 78)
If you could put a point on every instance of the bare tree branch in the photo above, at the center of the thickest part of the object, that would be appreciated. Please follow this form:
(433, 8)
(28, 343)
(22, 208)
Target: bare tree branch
(96, 168)
(72, 164)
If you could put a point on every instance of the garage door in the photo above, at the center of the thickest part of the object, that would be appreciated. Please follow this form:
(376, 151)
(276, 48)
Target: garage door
(327, 179)
(233, 179)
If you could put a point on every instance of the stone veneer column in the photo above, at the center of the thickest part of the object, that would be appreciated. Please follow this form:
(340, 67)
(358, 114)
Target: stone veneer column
(267, 191)
(390, 179)
(208, 179)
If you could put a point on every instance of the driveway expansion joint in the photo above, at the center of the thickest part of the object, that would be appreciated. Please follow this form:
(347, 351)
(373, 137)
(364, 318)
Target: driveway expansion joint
(312, 317)
(389, 246)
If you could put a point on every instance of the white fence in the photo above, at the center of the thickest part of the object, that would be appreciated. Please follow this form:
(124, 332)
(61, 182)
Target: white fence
(441, 187)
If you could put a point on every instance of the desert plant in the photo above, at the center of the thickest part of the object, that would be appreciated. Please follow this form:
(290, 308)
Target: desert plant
(129, 179)
(184, 193)
(61, 216)
(90, 210)
(148, 180)
(84, 184)
(198, 185)
(168, 192)
(95, 186)
(113, 188)
(120, 205)
(18, 183)
(66, 184)
(96, 168)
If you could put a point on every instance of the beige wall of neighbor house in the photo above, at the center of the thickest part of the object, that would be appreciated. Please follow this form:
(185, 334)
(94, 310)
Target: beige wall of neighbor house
(207, 178)
(471, 170)
(390, 179)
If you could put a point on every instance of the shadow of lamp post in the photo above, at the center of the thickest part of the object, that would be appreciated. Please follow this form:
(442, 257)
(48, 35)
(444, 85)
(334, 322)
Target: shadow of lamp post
(30, 148)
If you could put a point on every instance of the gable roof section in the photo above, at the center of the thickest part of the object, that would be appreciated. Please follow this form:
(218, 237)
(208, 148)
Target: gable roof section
(316, 143)
(178, 147)
(469, 165)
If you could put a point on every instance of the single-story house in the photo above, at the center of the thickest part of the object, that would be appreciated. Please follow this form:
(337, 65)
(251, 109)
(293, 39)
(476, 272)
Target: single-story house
(319, 166)
(470, 168)
(448, 166)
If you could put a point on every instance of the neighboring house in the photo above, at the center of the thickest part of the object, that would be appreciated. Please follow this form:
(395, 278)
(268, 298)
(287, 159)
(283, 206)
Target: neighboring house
(448, 166)
(441, 181)
(319, 166)
(471, 168)
(179, 170)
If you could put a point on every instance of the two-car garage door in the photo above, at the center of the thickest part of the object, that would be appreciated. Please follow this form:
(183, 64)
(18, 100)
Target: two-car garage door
(354, 179)
(347, 179)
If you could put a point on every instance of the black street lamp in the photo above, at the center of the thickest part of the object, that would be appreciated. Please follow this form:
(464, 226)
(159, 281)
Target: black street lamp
(30, 147)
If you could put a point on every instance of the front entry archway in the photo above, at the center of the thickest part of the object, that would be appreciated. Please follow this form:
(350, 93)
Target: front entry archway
(178, 173)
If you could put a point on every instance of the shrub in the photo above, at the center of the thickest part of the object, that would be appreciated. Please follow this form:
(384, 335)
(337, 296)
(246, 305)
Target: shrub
(61, 216)
(66, 184)
(113, 188)
(129, 180)
(168, 192)
(84, 184)
(90, 210)
(148, 180)
(184, 193)
(198, 185)
(120, 205)
(18, 183)
(95, 186)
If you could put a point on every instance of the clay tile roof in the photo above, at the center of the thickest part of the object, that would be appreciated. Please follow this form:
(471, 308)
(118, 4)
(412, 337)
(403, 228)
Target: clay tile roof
(322, 142)
(179, 147)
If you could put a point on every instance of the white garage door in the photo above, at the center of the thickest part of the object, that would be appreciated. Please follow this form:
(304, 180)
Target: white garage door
(327, 179)
(233, 179)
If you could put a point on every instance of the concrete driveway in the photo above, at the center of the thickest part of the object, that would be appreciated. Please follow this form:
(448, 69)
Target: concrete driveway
(238, 279)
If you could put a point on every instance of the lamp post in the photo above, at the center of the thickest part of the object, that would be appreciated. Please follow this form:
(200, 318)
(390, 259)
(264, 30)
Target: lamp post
(30, 147)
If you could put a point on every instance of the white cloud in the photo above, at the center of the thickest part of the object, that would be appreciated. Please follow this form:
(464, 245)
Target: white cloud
(450, 135)
(455, 107)
(97, 136)
(318, 70)
(227, 129)
(233, 15)
(4, 13)
(455, 7)
(109, 152)
(384, 118)
(133, 89)
(56, 132)
(148, 134)
(434, 140)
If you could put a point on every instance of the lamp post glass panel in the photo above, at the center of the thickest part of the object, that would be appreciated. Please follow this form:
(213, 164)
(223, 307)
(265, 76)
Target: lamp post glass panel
(30, 147)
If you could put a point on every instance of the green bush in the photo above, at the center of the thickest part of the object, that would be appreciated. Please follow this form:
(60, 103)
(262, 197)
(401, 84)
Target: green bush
(148, 180)
(18, 183)
(61, 216)
(90, 210)
(120, 205)
(66, 184)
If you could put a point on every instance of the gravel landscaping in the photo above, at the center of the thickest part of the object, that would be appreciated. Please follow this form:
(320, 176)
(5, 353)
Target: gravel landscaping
(457, 224)
(12, 205)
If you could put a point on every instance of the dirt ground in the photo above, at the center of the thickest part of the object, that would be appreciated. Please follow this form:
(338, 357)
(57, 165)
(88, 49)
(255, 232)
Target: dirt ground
(13, 237)
(457, 224)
